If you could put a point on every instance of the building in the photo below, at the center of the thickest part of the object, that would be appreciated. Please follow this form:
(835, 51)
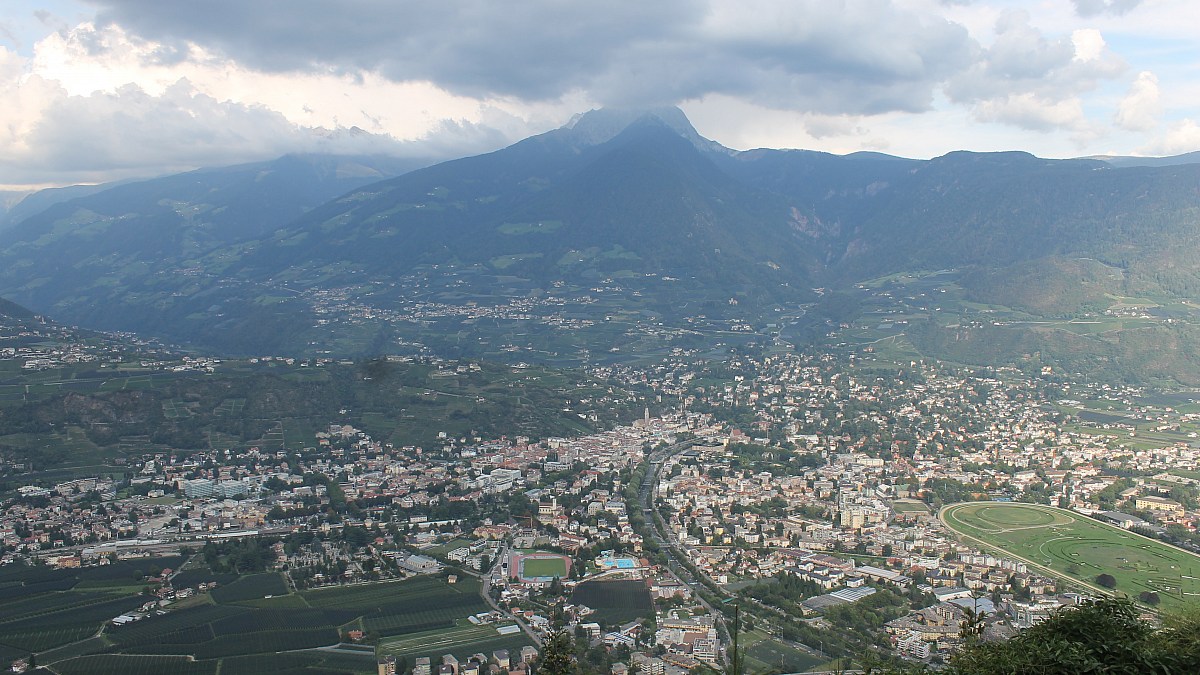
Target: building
(529, 654)
(420, 564)
(649, 665)
(421, 666)
(1032, 612)
(1158, 504)
(706, 649)
(913, 646)
(202, 488)
(387, 665)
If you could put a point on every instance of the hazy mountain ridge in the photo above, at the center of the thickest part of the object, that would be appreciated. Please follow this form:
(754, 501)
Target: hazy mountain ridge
(677, 225)
(997, 210)
(120, 258)
(645, 201)
(11, 309)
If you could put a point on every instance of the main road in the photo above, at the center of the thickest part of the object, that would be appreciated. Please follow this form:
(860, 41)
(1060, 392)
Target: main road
(649, 490)
(648, 493)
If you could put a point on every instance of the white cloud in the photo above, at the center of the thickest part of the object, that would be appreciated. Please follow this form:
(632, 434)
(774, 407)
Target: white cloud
(1181, 137)
(1033, 81)
(93, 104)
(1140, 109)
(1029, 111)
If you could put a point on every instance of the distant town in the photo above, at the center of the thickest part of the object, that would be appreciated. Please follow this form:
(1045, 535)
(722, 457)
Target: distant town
(802, 488)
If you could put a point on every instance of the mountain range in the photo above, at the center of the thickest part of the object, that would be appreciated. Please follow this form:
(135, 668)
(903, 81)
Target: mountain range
(619, 216)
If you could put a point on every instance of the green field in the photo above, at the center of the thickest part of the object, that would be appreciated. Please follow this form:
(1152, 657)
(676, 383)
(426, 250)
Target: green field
(614, 602)
(236, 630)
(909, 506)
(764, 654)
(1072, 546)
(462, 640)
(43, 609)
(532, 568)
(62, 616)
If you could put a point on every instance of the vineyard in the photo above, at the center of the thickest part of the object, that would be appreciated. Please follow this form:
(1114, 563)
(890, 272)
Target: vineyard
(615, 602)
(39, 610)
(250, 624)
(461, 640)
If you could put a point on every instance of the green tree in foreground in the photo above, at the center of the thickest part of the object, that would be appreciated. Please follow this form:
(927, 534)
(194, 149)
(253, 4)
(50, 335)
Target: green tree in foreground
(1101, 636)
(556, 654)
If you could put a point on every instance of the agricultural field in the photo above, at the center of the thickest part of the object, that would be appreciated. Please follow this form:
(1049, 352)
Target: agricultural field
(1074, 547)
(119, 664)
(251, 587)
(234, 629)
(462, 641)
(615, 602)
(43, 609)
(764, 654)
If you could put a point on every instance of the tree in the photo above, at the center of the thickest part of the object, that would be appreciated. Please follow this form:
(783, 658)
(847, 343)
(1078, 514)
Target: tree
(1106, 580)
(556, 654)
(1100, 636)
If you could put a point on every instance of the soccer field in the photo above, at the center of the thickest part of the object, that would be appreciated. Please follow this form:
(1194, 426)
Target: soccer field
(538, 567)
(1072, 546)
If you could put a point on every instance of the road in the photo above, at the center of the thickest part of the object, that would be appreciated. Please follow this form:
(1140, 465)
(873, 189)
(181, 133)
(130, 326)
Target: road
(681, 572)
(648, 492)
(485, 592)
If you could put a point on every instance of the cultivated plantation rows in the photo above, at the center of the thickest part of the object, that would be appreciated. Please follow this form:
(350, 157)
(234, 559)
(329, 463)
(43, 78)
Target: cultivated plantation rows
(252, 625)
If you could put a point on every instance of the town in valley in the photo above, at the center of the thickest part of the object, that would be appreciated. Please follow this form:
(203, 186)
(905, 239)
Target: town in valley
(797, 496)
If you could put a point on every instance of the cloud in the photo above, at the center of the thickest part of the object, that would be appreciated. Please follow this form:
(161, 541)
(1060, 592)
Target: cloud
(1034, 82)
(1091, 8)
(1140, 109)
(1029, 111)
(96, 104)
(48, 135)
(857, 56)
(1181, 137)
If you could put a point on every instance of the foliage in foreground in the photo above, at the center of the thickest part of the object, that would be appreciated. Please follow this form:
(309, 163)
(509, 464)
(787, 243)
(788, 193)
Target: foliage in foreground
(1101, 636)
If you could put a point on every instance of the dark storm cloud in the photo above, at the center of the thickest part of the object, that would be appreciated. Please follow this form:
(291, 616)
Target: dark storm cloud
(856, 56)
(531, 49)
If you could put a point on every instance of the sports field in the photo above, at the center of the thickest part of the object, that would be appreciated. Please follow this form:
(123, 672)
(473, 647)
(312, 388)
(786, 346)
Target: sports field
(1073, 546)
(539, 566)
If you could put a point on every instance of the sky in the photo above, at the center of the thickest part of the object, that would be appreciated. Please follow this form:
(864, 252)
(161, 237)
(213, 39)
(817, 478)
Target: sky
(99, 90)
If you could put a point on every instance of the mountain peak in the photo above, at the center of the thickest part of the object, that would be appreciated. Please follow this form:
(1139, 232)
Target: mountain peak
(601, 125)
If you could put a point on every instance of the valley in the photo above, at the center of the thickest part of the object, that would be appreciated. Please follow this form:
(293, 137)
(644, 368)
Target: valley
(343, 414)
